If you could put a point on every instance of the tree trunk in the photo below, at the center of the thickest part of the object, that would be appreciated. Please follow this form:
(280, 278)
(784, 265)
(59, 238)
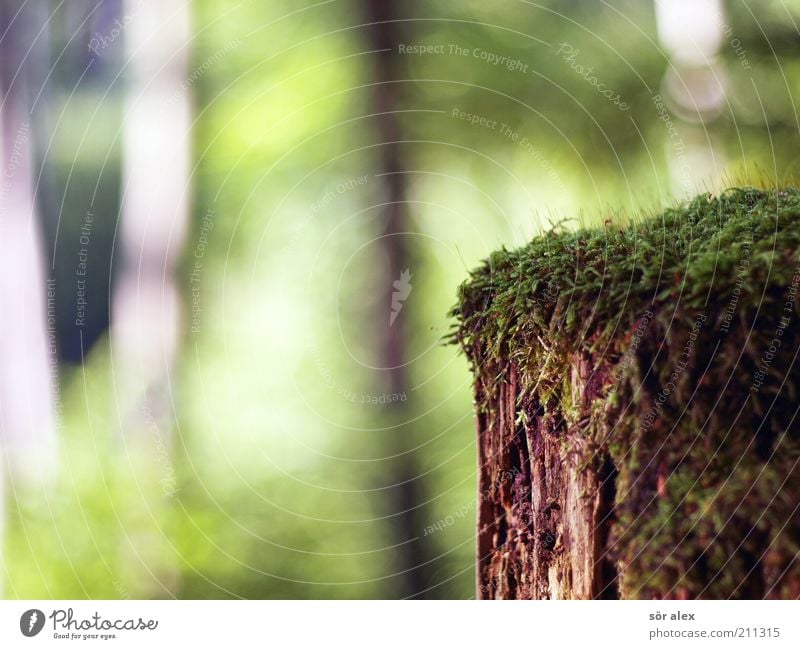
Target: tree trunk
(637, 413)
(27, 371)
(146, 326)
(405, 500)
(155, 203)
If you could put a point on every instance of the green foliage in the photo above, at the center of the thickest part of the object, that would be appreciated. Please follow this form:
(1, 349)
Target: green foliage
(282, 469)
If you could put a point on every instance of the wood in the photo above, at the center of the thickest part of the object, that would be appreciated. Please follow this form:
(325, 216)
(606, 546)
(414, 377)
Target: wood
(640, 438)
(543, 521)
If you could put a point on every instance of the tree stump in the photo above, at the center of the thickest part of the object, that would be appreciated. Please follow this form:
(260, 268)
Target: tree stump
(637, 406)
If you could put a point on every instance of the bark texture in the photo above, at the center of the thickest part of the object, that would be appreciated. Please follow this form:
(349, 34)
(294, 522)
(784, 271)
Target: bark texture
(544, 516)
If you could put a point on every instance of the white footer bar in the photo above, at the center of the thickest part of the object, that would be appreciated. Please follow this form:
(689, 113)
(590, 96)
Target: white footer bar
(384, 624)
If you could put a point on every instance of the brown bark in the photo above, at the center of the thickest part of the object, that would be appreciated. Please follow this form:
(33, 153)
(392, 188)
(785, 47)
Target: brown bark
(548, 502)
(543, 518)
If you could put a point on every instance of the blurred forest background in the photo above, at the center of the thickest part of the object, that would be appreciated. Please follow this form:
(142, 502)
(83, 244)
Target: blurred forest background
(231, 233)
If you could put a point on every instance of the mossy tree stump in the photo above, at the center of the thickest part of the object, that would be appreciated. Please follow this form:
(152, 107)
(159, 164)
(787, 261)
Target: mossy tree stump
(637, 405)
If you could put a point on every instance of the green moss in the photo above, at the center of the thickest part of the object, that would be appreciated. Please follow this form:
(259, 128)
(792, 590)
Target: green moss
(677, 314)
(569, 282)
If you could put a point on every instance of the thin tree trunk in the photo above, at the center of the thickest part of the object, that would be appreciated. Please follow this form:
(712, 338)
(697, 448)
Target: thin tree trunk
(407, 518)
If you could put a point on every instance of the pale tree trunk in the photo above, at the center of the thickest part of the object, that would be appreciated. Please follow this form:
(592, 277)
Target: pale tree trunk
(146, 322)
(155, 192)
(27, 412)
(27, 418)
